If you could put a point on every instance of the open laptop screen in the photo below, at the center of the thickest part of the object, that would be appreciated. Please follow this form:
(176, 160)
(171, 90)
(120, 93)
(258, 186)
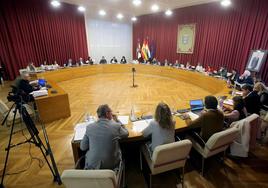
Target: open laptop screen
(196, 104)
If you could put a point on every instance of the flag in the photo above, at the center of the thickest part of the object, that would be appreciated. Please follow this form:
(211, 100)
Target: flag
(138, 50)
(147, 49)
(144, 51)
(152, 49)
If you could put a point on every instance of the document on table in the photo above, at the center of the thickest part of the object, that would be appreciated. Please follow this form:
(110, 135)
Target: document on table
(139, 126)
(228, 102)
(80, 130)
(123, 119)
(192, 115)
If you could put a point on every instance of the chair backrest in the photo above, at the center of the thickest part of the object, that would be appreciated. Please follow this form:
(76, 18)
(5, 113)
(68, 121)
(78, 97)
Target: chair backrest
(3, 108)
(89, 178)
(169, 154)
(254, 124)
(219, 141)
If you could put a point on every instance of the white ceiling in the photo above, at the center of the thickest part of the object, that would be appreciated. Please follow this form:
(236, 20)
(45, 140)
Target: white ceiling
(113, 7)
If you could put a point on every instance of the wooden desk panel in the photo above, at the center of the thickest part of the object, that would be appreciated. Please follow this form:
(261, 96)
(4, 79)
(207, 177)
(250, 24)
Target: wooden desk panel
(54, 106)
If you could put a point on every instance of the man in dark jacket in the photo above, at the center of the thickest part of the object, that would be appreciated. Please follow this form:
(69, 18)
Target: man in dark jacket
(251, 99)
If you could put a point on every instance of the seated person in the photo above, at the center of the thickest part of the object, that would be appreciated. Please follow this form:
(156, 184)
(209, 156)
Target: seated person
(70, 62)
(55, 65)
(162, 128)
(233, 77)
(154, 61)
(103, 60)
(81, 62)
(113, 60)
(246, 78)
(89, 60)
(31, 67)
(251, 99)
(263, 93)
(188, 66)
(237, 113)
(123, 60)
(210, 121)
(24, 88)
(176, 64)
(222, 72)
(166, 63)
(199, 67)
(101, 140)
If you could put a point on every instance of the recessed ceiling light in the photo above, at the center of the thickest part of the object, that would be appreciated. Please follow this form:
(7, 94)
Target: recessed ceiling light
(136, 2)
(225, 3)
(168, 12)
(102, 13)
(155, 7)
(134, 19)
(81, 9)
(120, 16)
(55, 3)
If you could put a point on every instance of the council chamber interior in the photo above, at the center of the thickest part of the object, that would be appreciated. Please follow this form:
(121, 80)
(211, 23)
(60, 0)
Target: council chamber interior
(134, 93)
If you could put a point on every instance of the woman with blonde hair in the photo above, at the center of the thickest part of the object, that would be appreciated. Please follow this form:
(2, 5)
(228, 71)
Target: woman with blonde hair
(161, 128)
(263, 93)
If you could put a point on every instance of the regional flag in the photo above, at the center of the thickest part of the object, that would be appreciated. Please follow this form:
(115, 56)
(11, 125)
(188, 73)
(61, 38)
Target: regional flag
(144, 51)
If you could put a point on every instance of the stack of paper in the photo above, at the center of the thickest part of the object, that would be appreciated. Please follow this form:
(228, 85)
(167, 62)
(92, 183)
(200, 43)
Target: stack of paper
(192, 115)
(80, 130)
(228, 102)
(123, 119)
(139, 126)
(39, 93)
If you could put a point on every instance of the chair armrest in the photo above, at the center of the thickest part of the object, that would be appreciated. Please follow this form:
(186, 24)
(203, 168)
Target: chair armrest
(177, 138)
(198, 138)
(80, 164)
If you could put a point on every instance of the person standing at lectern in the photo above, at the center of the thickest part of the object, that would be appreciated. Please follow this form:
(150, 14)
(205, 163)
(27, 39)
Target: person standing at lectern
(101, 140)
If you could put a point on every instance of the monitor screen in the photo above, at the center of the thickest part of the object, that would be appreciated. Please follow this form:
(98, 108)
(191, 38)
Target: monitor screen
(196, 104)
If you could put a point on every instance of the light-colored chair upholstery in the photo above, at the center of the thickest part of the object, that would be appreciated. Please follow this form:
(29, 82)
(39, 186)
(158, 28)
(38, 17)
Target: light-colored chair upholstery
(246, 140)
(167, 157)
(104, 178)
(4, 110)
(89, 178)
(217, 143)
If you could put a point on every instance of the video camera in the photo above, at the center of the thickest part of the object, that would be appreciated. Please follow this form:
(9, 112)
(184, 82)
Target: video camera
(19, 96)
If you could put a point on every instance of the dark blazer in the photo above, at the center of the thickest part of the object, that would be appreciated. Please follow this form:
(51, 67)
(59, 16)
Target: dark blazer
(24, 85)
(249, 80)
(210, 122)
(252, 102)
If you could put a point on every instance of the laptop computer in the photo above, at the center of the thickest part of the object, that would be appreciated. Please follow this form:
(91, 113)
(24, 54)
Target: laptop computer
(197, 106)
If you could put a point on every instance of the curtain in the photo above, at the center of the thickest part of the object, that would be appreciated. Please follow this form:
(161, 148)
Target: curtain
(224, 36)
(32, 30)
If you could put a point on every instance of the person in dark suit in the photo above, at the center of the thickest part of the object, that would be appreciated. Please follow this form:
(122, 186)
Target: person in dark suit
(89, 61)
(246, 78)
(101, 140)
(103, 60)
(113, 60)
(263, 93)
(233, 77)
(251, 99)
(210, 121)
(123, 60)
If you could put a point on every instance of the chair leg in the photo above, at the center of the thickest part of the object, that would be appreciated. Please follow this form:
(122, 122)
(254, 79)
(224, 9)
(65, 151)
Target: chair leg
(150, 181)
(140, 160)
(182, 178)
(203, 164)
(124, 175)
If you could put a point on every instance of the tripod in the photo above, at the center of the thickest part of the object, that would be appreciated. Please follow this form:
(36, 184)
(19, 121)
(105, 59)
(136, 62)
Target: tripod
(34, 139)
(133, 77)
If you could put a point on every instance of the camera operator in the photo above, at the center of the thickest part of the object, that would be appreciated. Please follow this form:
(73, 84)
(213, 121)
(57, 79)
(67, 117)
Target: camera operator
(24, 88)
